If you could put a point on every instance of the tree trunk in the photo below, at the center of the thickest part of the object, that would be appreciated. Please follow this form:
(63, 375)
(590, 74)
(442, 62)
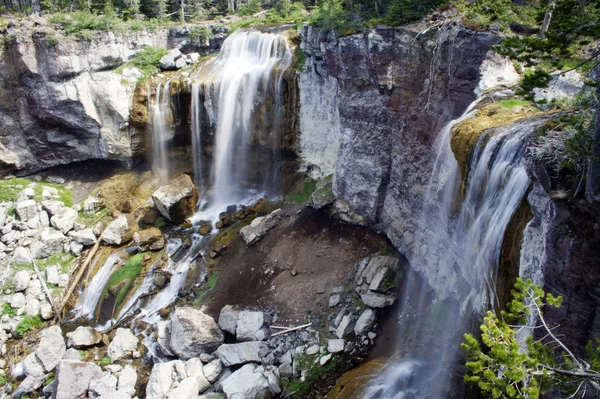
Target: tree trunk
(592, 191)
(547, 19)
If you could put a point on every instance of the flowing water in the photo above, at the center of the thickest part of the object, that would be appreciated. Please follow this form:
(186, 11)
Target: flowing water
(162, 130)
(465, 239)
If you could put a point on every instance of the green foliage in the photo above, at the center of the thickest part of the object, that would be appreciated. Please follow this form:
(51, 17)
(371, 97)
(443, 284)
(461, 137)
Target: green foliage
(104, 362)
(502, 366)
(200, 34)
(307, 189)
(122, 281)
(52, 40)
(385, 251)
(531, 80)
(28, 323)
(148, 60)
(10, 189)
(209, 285)
(579, 144)
(301, 389)
(514, 103)
(62, 259)
(160, 222)
(401, 12)
(8, 310)
(300, 59)
(2, 380)
(251, 8)
(331, 15)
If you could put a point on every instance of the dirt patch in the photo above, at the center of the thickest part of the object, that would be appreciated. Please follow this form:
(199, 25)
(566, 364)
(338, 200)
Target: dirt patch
(319, 250)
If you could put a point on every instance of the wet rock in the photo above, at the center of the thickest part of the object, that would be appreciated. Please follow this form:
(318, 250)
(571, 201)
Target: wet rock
(176, 200)
(21, 279)
(151, 239)
(83, 337)
(51, 347)
(85, 237)
(49, 242)
(93, 205)
(21, 256)
(161, 278)
(64, 220)
(365, 322)
(26, 209)
(259, 227)
(252, 326)
(247, 383)
(193, 332)
(123, 344)
(244, 352)
(73, 378)
(150, 215)
(228, 319)
(205, 228)
(375, 300)
(119, 231)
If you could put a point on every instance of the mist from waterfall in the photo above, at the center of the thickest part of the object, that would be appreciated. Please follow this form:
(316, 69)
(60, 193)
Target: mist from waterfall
(464, 231)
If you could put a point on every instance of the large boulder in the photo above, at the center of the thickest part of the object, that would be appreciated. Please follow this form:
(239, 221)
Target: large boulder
(123, 344)
(85, 237)
(247, 383)
(151, 239)
(64, 220)
(244, 352)
(172, 60)
(73, 378)
(259, 227)
(83, 337)
(51, 348)
(228, 319)
(365, 322)
(21, 256)
(49, 242)
(176, 380)
(193, 333)
(176, 200)
(26, 209)
(252, 326)
(21, 280)
(120, 230)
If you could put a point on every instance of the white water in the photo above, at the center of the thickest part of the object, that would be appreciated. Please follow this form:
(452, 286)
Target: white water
(464, 247)
(235, 85)
(162, 131)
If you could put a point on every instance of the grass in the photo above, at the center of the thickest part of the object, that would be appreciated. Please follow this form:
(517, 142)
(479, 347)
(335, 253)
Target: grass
(62, 259)
(209, 285)
(301, 389)
(307, 189)
(160, 222)
(10, 189)
(121, 281)
(28, 323)
(514, 103)
(9, 310)
(146, 60)
(104, 362)
(2, 380)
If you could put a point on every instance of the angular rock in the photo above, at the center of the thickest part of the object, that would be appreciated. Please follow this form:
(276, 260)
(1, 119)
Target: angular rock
(244, 352)
(51, 348)
(83, 337)
(21, 279)
(119, 231)
(259, 227)
(26, 209)
(161, 379)
(151, 239)
(50, 242)
(33, 307)
(64, 220)
(323, 194)
(194, 369)
(122, 345)
(365, 322)
(46, 311)
(52, 207)
(52, 275)
(325, 359)
(127, 380)
(18, 301)
(72, 354)
(33, 366)
(187, 389)
(346, 326)
(213, 370)
(21, 256)
(73, 378)
(247, 383)
(176, 200)
(44, 219)
(92, 205)
(375, 300)
(104, 386)
(29, 384)
(169, 61)
(193, 333)
(228, 319)
(335, 345)
(85, 237)
(75, 247)
(252, 326)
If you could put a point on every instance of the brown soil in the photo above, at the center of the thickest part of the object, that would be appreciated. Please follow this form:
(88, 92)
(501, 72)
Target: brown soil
(320, 249)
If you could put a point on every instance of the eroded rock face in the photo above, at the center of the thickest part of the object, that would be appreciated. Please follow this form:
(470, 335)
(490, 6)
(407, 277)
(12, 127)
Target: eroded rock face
(176, 200)
(193, 333)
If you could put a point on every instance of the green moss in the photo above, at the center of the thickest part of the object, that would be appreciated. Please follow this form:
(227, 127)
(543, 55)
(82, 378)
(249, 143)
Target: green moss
(121, 281)
(8, 310)
(300, 389)
(385, 251)
(300, 59)
(62, 259)
(2, 380)
(514, 103)
(48, 381)
(27, 323)
(307, 189)
(160, 222)
(104, 362)
(209, 285)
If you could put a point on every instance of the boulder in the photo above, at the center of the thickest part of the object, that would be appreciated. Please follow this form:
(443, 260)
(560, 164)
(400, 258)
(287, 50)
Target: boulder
(375, 300)
(33, 307)
(252, 326)
(92, 205)
(33, 366)
(46, 311)
(323, 194)
(44, 219)
(29, 384)
(335, 345)
(380, 273)
(193, 333)
(119, 231)
(127, 380)
(64, 220)
(49, 242)
(187, 389)
(247, 383)
(26, 209)
(21, 280)
(51, 347)
(194, 369)
(123, 344)
(83, 337)
(52, 207)
(72, 354)
(228, 319)
(365, 322)
(73, 378)
(346, 326)
(21, 256)
(244, 352)
(151, 239)
(18, 301)
(259, 227)
(169, 61)
(85, 237)
(161, 378)
(213, 370)
(176, 200)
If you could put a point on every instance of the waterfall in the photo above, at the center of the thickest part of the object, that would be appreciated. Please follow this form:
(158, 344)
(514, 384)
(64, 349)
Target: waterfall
(196, 136)
(243, 80)
(463, 245)
(162, 131)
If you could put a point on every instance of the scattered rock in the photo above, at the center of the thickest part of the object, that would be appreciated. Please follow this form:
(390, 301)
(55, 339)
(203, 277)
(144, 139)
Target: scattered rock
(122, 345)
(176, 200)
(52, 207)
(18, 301)
(21, 279)
(193, 333)
(52, 275)
(213, 370)
(173, 60)
(375, 300)
(85, 237)
(83, 337)
(106, 386)
(335, 345)
(346, 326)
(51, 347)
(46, 311)
(119, 231)
(334, 300)
(365, 322)
(21, 256)
(259, 227)
(247, 383)
(26, 209)
(244, 352)
(151, 239)
(325, 359)
(228, 319)
(252, 326)
(127, 380)
(49, 242)
(93, 205)
(64, 220)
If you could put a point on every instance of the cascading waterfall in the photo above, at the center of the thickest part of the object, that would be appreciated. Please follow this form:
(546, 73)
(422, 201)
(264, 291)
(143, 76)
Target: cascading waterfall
(235, 85)
(467, 240)
(162, 131)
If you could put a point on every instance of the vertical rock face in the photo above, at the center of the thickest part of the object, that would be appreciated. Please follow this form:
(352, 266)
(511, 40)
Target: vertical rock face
(396, 89)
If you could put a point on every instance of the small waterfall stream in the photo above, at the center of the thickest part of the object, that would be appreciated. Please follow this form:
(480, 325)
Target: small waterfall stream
(162, 131)
(464, 231)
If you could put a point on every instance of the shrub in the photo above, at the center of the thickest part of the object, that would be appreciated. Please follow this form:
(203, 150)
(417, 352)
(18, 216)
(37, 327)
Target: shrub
(8, 310)
(531, 80)
(253, 7)
(331, 15)
(28, 323)
(200, 34)
(300, 59)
